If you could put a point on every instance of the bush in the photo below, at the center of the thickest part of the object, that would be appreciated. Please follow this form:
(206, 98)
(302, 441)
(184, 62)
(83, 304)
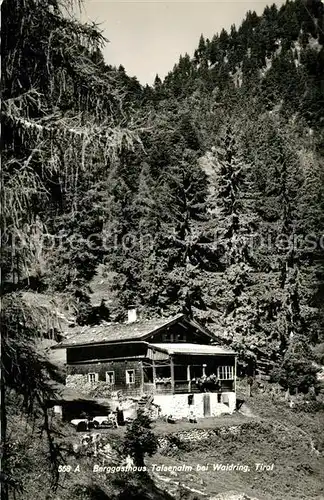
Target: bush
(318, 353)
(140, 440)
(309, 407)
(296, 373)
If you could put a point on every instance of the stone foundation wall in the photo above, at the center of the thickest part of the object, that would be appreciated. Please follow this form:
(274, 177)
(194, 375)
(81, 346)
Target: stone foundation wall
(177, 404)
(76, 381)
(170, 404)
(79, 382)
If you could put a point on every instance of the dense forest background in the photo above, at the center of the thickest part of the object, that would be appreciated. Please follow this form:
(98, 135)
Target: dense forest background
(202, 194)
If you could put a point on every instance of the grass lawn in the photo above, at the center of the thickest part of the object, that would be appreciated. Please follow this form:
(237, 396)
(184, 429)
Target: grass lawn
(162, 428)
(291, 441)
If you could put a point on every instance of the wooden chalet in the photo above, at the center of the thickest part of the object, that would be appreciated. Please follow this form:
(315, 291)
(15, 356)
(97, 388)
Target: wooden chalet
(159, 357)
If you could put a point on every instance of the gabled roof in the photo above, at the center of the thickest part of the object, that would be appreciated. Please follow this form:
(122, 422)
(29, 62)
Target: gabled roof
(184, 348)
(125, 332)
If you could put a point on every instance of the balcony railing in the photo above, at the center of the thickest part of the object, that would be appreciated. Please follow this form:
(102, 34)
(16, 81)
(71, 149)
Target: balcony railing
(184, 387)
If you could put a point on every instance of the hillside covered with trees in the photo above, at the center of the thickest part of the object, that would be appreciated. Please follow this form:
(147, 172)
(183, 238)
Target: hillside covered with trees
(203, 193)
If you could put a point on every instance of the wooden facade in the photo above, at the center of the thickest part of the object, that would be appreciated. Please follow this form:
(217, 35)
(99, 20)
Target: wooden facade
(119, 369)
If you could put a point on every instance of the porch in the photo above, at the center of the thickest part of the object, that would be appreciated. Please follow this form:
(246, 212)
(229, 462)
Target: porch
(188, 369)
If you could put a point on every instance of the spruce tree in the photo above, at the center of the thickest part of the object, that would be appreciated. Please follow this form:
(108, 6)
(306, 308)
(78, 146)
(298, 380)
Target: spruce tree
(234, 221)
(61, 123)
(201, 47)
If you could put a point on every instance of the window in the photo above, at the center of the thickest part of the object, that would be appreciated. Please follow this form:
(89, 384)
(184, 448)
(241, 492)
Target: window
(226, 372)
(93, 377)
(174, 337)
(130, 376)
(110, 378)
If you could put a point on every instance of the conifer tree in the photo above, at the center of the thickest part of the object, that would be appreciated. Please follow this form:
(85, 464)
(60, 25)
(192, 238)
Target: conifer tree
(234, 225)
(213, 50)
(201, 47)
(157, 82)
(60, 117)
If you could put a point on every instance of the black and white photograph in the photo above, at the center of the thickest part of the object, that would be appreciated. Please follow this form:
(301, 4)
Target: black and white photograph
(162, 250)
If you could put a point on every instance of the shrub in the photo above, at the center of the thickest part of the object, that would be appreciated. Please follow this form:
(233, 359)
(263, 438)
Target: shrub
(296, 373)
(139, 439)
(318, 353)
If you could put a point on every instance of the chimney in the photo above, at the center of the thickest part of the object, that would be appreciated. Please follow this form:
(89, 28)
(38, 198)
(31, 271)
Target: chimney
(132, 314)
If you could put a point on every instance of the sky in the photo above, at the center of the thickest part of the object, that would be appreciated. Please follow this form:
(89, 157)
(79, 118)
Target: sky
(147, 37)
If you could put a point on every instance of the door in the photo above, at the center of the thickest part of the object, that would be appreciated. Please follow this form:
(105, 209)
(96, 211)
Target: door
(206, 405)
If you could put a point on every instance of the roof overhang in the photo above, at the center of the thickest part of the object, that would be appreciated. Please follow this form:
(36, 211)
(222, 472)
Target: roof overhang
(192, 349)
(100, 343)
